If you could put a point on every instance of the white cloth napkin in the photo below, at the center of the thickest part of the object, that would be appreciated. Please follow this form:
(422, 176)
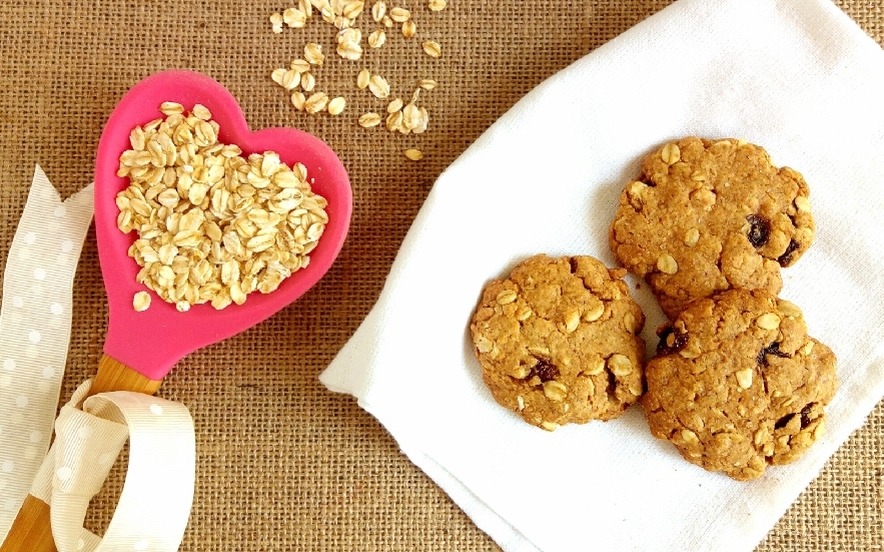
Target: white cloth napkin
(797, 77)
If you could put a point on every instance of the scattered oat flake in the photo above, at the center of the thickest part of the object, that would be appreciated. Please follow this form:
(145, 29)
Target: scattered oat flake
(350, 50)
(378, 11)
(352, 9)
(379, 86)
(394, 121)
(432, 48)
(300, 65)
(336, 105)
(291, 79)
(362, 79)
(400, 15)
(414, 154)
(298, 100)
(369, 119)
(427, 84)
(313, 54)
(141, 301)
(276, 22)
(436, 5)
(308, 82)
(294, 18)
(411, 116)
(377, 38)
(349, 35)
(395, 105)
(277, 76)
(316, 103)
(409, 29)
(423, 121)
(327, 15)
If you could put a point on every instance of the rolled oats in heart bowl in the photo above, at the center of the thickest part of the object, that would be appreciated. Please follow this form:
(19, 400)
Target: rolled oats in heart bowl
(213, 223)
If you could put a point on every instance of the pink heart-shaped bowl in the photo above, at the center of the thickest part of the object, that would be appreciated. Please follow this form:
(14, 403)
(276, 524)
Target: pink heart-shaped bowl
(153, 341)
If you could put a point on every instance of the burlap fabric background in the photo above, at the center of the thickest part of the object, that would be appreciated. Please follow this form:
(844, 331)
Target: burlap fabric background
(282, 463)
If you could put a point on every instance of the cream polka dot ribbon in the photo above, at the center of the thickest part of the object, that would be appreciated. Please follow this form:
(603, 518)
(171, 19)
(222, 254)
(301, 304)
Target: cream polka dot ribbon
(157, 495)
(35, 327)
(35, 321)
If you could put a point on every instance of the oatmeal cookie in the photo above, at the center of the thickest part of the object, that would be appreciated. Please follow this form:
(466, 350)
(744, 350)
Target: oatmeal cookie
(705, 216)
(736, 383)
(558, 341)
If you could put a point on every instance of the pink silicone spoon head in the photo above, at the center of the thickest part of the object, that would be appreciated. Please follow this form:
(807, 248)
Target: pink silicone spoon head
(152, 341)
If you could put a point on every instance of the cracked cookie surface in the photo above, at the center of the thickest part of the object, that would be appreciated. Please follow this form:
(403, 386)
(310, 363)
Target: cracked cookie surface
(737, 384)
(705, 216)
(558, 341)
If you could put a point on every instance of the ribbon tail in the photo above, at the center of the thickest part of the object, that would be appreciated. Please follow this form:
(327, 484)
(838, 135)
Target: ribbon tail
(35, 322)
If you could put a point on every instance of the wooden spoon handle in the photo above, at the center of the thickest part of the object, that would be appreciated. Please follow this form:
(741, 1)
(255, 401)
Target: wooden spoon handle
(32, 531)
(113, 375)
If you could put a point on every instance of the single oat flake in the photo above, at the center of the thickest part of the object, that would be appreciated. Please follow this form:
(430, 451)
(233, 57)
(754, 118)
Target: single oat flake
(432, 48)
(363, 78)
(316, 103)
(379, 86)
(298, 100)
(409, 29)
(141, 301)
(313, 54)
(336, 105)
(377, 38)
(378, 11)
(400, 15)
(294, 18)
(369, 120)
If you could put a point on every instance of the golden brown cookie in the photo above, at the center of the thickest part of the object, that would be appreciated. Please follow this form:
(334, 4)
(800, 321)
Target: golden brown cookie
(705, 216)
(737, 384)
(558, 341)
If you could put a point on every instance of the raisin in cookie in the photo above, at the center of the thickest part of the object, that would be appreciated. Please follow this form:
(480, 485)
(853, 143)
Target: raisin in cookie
(737, 384)
(705, 216)
(557, 341)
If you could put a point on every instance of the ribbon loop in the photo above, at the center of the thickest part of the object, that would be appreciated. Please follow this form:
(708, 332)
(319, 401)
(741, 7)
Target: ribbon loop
(157, 495)
(84, 452)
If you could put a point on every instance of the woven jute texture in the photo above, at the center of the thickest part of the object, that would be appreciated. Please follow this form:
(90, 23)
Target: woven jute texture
(282, 463)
